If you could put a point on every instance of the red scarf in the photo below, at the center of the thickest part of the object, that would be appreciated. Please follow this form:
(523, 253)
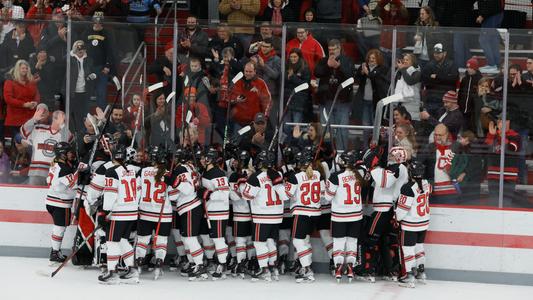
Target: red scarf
(267, 56)
(442, 148)
(222, 101)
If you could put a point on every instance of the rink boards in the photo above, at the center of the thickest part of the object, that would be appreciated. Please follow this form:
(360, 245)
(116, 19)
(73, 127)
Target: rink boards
(471, 244)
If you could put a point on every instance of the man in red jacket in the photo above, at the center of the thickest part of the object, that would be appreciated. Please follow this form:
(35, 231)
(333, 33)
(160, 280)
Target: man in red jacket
(312, 51)
(251, 96)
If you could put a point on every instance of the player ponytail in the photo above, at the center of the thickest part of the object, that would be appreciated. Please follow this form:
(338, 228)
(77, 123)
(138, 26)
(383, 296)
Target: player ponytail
(309, 171)
(360, 180)
(320, 168)
(419, 183)
(160, 172)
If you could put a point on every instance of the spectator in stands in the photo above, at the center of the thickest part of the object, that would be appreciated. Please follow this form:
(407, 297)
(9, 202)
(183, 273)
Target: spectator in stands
(241, 12)
(250, 96)
(368, 34)
(490, 17)
(527, 77)
(311, 138)
(401, 116)
(162, 69)
(42, 137)
(309, 15)
(17, 45)
(392, 13)
(225, 39)
(40, 11)
(196, 77)
(116, 9)
(449, 115)
(10, 13)
(200, 115)
(265, 32)
(121, 132)
(259, 137)
(331, 72)
(20, 161)
(268, 68)
(193, 42)
(374, 79)
(437, 157)
(312, 51)
(4, 164)
(408, 84)
(54, 38)
(511, 162)
(515, 85)
(277, 13)
(438, 76)
(467, 169)
(225, 70)
(158, 123)
(404, 135)
(21, 96)
(100, 49)
(83, 77)
(467, 93)
(133, 113)
(45, 72)
(297, 73)
(139, 13)
(424, 37)
(487, 107)
(328, 11)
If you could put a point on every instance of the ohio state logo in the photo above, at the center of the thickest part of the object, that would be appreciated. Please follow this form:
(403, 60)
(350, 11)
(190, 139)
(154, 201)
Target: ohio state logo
(47, 147)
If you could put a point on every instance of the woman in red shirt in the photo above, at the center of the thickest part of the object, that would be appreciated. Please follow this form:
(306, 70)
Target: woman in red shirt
(21, 96)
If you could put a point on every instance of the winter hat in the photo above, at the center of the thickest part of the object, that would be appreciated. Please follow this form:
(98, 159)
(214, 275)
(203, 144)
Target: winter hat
(169, 45)
(450, 96)
(472, 64)
(439, 48)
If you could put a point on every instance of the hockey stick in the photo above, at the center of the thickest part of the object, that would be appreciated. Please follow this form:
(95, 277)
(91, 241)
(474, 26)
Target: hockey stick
(301, 87)
(234, 81)
(342, 86)
(333, 142)
(76, 206)
(396, 98)
(184, 107)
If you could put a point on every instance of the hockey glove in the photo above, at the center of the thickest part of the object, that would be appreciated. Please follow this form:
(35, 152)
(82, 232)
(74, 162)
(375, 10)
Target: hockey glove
(204, 193)
(101, 218)
(395, 168)
(274, 176)
(84, 177)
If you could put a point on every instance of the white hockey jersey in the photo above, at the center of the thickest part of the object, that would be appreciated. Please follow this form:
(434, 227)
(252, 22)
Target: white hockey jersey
(184, 189)
(412, 210)
(122, 193)
(287, 171)
(241, 207)
(266, 201)
(62, 179)
(344, 192)
(43, 141)
(153, 196)
(387, 186)
(304, 193)
(325, 205)
(96, 188)
(215, 180)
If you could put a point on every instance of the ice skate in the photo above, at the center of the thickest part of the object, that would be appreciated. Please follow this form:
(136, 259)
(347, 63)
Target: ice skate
(421, 274)
(367, 277)
(158, 271)
(109, 278)
(332, 267)
(407, 281)
(56, 258)
(275, 272)
(306, 275)
(390, 277)
(220, 272)
(130, 277)
(338, 273)
(350, 273)
(252, 266)
(262, 273)
(240, 270)
(173, 264)
(282, 264)
(199, 272)
(187, 269)
(232, 263)
(140, 263)
(295, 267)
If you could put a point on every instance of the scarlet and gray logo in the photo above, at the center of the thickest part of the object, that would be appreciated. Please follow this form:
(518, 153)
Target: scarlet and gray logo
(47, 147)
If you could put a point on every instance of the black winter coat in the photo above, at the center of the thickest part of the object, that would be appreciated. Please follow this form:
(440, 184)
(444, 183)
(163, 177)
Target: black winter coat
(331, 78)
(446, 80)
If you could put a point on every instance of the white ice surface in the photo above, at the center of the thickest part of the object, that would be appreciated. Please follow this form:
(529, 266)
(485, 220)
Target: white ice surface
(22, 278)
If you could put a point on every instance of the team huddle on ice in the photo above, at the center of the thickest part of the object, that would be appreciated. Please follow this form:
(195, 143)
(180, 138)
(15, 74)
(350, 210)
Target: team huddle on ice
(231, 214)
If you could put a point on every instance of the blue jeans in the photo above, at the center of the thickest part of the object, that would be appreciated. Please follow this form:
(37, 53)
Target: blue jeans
(461, 49)
(101, 90)
(367, 120)
(489, 39)
(339, 116)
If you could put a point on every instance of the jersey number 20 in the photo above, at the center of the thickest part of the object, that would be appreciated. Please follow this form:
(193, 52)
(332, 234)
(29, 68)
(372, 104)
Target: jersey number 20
(423, 206)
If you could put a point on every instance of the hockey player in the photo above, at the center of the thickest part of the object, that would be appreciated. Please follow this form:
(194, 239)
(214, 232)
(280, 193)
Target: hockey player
(412, 211)
(388, 180)
(242, 217)
(121, 209)
(215, 192)
(184, 179)
(265, 191)
(304, 189)
(155, 211)
(62, 178)
(343, 189)
(287, 169)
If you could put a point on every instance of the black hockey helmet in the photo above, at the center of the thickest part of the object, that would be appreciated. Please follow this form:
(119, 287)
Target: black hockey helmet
(158, 155)
(119, 153)
(264, 159)
(289, 155)
(182, 154)
(304, 158)
(244, 157)
(417, 169)
(348, 158)
(211, 156)
(232, 150)
(61, 149)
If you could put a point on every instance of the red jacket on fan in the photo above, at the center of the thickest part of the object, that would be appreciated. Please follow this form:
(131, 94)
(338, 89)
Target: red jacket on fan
(512, 146)
(312, 51)
(256, 99)
(200, 118)
(15, 96)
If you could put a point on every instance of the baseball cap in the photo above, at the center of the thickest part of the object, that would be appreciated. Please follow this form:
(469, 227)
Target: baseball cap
(438, 48)
(259, 117)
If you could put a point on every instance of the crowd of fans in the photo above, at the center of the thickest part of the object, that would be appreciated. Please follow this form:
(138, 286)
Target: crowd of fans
(443, 109)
